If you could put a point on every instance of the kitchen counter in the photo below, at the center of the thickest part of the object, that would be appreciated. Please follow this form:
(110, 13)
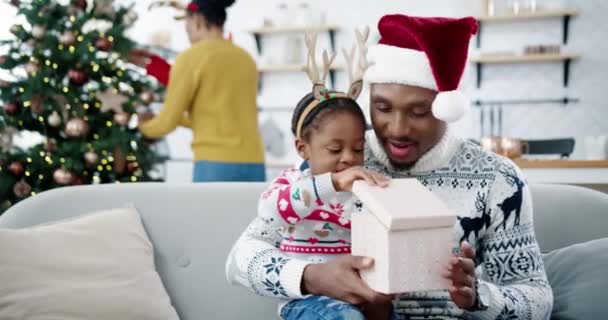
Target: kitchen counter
(565, 171)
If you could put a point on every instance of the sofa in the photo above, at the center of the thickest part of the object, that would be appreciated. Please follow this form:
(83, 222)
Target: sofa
(193, 227)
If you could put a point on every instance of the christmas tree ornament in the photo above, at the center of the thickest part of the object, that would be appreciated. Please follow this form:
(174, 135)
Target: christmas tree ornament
(62, 176)
(3, 59)
(54, 119)
(105, 8)
(50, 145)
(15, 3)
(67, 38)
(129, 18)
(12, 108)
(16, 29)
(78, 181)
(120, 161)
(6, 138)
(146, 97)
(91, 158)
(132, 166)
(122, 118)
(103, 44)
(37, 105)
(78, 76)
(38, 32)
(4, 84)
(111, 101)
(16, 168)
(80, 4)
(76, 128)
(32, 67)
(22, 189)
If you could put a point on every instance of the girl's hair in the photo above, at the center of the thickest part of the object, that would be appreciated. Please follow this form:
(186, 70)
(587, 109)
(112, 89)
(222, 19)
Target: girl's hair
(314, 119)
(214, 11)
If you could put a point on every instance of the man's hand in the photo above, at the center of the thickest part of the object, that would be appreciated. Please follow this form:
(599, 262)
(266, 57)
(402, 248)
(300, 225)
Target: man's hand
(461, 271)
(339, 279)
(343, 181)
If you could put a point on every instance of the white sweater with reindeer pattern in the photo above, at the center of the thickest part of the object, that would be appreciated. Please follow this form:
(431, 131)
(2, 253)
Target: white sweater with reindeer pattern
(492, 200)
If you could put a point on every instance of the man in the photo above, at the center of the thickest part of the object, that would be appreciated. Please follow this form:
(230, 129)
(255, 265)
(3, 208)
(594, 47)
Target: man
(415, 76)
(212, 89)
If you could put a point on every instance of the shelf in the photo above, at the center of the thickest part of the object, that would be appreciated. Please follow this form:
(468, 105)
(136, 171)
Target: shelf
(563, 164)
(259, 32)
(542, 14)
(283, 30)
(291, 68)
(566, 58)
(565, 14)
(296, 68)
(495, 59)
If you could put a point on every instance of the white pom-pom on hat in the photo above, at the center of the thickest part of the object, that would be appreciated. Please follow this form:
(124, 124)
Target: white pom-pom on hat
(450, 106)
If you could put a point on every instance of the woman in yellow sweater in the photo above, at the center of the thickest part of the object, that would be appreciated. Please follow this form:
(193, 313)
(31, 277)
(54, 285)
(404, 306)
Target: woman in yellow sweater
(212, 89)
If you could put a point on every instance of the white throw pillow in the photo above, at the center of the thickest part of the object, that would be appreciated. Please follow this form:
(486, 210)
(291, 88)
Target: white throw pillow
(97, 266)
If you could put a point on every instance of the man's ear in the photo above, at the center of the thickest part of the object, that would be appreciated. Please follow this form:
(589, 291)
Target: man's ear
(303, 148)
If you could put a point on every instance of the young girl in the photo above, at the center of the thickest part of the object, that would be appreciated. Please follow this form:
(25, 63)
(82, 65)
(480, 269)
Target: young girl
(314, 206)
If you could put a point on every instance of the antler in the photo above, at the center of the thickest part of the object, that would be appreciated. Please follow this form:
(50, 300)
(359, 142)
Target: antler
(510, 175)
(312, 68)
(173, 4)
(356, 75)
(480, 202)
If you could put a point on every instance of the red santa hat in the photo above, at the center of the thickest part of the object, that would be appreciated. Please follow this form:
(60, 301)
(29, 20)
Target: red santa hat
(424, 52)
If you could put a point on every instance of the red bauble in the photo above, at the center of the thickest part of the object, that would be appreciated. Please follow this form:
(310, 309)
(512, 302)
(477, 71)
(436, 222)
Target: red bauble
(16, 168)
(78, 181)
(78, 77)
(80, 4)
(11, 108)
(132, 166)
(103, 44)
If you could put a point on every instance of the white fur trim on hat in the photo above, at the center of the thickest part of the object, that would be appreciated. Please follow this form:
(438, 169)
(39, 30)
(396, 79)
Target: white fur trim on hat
(450, 106)
(391, 64)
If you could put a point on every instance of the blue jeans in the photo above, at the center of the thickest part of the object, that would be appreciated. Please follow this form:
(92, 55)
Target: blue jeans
(209, 171)
(322, 308)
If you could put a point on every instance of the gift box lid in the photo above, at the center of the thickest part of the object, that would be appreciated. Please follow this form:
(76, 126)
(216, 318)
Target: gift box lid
(405, 204)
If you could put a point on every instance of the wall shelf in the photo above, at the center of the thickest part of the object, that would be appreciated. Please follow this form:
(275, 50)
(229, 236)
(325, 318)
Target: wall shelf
(259, 32)
(297, 68)
(565, 14)
(566, 58)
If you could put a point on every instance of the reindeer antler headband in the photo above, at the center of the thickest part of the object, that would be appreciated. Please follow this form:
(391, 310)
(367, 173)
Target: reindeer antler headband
(317, 76)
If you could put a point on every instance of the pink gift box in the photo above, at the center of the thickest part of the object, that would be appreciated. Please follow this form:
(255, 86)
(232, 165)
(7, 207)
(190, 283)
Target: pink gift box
(408, 231)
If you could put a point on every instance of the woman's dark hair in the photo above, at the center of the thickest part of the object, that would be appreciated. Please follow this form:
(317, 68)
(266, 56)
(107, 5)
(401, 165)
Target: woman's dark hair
(315, 119)
(214, 11)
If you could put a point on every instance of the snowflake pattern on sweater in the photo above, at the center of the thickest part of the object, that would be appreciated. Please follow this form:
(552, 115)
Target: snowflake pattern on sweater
(493, 202)
(314, 227)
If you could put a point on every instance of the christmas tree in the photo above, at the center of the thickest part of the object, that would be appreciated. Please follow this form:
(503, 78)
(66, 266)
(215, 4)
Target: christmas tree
(71, 84)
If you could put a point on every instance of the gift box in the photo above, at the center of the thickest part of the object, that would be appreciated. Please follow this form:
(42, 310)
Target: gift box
(408, 231)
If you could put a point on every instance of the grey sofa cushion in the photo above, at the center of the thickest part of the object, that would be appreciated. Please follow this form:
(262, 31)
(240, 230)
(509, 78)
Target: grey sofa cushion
(578, 276)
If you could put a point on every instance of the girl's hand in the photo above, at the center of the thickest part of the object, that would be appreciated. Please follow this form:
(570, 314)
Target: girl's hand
(343, 181)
